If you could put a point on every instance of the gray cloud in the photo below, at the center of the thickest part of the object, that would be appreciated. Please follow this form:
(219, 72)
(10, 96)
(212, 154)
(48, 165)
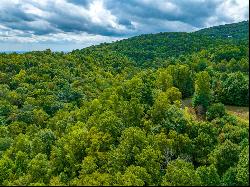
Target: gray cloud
(36, 20)
(61, 16)
(194, 13)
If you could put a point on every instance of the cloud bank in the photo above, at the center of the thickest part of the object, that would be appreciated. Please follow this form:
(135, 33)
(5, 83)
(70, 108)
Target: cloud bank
(69, 24)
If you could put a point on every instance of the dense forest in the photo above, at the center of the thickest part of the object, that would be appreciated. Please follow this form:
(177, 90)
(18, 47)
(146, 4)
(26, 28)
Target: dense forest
(113, 114)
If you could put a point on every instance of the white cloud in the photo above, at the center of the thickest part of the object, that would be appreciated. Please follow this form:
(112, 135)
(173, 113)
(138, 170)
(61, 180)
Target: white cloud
(235, 10)
(80, 38)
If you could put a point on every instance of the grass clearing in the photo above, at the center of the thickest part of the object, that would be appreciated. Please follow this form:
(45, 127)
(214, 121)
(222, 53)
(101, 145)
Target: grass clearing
(242, 113)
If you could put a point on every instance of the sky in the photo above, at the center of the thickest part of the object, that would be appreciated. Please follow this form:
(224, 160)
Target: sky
(64, 25)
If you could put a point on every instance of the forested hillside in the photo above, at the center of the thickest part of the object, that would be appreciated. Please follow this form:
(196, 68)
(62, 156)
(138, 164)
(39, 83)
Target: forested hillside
(156, 47)
(112, 114)
(232, 31)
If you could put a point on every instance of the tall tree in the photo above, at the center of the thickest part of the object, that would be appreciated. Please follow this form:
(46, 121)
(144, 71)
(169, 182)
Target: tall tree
(202, 95)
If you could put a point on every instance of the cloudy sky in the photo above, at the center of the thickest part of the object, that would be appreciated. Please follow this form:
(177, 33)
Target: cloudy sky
(63, 25)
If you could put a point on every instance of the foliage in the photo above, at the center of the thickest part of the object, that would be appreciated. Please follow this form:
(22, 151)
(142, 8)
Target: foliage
(180, 173)
(202, 95)
(111, 114)
(215, 110)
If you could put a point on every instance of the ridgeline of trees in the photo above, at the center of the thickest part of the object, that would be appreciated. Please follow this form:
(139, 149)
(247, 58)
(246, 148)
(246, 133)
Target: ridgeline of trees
(112, 114)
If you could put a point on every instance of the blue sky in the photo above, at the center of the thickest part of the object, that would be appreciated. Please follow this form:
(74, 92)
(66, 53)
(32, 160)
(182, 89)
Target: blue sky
(63, 25)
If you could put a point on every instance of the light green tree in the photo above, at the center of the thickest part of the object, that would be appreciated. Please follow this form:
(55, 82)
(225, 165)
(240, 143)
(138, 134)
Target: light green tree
(202, 95)
(180, 173)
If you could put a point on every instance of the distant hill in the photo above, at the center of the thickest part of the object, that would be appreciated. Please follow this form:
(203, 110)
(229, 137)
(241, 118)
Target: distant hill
(235, 30)
(150, 47)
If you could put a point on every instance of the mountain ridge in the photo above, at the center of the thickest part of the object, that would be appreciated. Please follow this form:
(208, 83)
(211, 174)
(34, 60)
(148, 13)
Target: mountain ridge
(150, 47)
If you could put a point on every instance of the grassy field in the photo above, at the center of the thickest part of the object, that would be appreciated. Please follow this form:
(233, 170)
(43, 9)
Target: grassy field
(241, 112)
(238, 111)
